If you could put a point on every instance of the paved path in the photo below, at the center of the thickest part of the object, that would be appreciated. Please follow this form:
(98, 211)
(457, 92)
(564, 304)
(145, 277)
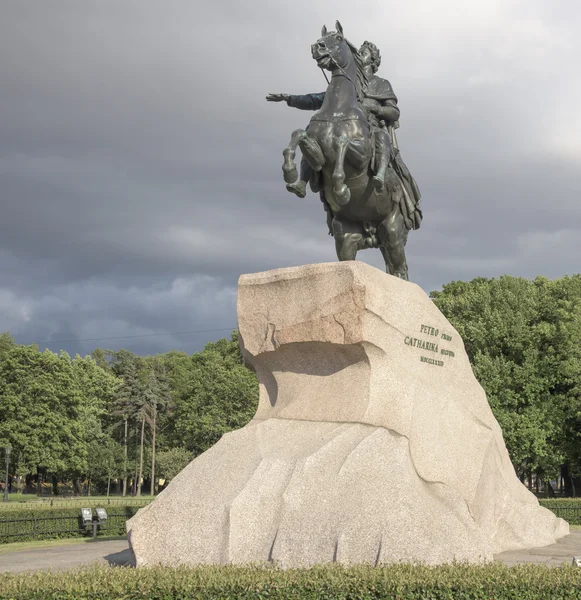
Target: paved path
(554, 555)
(66, 557)
(116, 552)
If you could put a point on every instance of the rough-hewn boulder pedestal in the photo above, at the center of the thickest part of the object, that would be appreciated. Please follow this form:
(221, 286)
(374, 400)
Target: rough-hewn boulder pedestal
(372, 442)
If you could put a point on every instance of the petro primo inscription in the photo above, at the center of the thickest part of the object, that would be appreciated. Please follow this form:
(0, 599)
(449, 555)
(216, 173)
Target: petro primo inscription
(429, 345)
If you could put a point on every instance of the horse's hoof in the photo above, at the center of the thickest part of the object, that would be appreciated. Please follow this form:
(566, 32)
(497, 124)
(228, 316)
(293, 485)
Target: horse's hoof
(298, 187)
(342, 195)
(290, 173)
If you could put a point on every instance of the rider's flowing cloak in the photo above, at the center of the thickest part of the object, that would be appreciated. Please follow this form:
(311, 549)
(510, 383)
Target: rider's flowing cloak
(378, 89)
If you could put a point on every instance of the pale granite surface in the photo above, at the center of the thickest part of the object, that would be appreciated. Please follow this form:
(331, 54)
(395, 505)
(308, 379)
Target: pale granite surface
(372, 442)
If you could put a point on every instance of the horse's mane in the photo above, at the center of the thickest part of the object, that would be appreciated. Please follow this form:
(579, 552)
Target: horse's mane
(362, 79)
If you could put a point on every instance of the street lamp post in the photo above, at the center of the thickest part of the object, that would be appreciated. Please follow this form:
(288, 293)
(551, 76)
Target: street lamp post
(7, 455)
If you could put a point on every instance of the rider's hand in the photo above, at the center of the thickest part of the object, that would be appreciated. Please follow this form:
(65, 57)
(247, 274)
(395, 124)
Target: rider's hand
(370, 105)
(278, 97)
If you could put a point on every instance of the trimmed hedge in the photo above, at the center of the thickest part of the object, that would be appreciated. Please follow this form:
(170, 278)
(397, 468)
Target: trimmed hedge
(404, 582)
(90, 502)
(566, 508)
(42, 524)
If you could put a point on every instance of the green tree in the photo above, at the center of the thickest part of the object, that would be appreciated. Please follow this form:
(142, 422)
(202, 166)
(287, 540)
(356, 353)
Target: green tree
(105, 461)
(223, 395)
(157, 397)
(522, 339)
(127, 409)
(40, 411)
(173, 461)
(6, 343)
(99, 389)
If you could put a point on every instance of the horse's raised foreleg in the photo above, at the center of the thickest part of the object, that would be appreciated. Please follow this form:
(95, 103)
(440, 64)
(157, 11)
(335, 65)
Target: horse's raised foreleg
(393, 235)
(312, 151)
(358, 153)
(341, 191)
(289, 167)
(348, 239)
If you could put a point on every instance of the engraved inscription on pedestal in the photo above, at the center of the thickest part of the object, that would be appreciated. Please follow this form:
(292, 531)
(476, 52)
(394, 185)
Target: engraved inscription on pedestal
(430, 346)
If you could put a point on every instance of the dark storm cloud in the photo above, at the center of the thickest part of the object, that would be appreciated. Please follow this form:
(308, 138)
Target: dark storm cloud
(140, 164)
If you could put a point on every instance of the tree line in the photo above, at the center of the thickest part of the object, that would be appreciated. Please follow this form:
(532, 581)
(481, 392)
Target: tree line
(523, 339)
(116, 419)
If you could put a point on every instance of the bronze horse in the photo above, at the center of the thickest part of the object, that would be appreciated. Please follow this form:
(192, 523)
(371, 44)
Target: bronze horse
(338, 145)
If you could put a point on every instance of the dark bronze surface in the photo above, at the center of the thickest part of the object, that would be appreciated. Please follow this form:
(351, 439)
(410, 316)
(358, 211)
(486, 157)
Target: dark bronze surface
(350, 154)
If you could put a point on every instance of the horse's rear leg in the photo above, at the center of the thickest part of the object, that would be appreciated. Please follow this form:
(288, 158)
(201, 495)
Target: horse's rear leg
(393, 235)
(348, 239)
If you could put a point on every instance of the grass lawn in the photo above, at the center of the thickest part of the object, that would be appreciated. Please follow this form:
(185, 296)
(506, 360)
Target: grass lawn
(18, 546)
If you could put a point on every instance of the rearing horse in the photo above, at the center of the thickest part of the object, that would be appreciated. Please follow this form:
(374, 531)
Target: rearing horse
(338, 145)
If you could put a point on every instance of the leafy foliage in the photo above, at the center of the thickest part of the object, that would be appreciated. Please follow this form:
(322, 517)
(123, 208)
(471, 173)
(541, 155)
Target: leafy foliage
(40, 412)
(222, 396)
(522, 338)
(402, 582)
(171, 462)
(117, 415)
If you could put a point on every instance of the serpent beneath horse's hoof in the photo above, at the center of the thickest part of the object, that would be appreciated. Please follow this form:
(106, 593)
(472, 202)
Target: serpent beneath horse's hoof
(298, 187)
(378, 184)
(342, 196)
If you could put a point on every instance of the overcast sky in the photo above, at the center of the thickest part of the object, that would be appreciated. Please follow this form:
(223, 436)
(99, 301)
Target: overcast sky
(140, 166)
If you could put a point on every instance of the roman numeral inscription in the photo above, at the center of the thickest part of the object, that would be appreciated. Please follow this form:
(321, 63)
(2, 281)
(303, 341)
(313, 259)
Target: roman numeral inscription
(428, 345)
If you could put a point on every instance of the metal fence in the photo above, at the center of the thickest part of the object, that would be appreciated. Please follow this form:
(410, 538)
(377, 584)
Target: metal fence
(78, 503)
(569, 513)
(35, 526)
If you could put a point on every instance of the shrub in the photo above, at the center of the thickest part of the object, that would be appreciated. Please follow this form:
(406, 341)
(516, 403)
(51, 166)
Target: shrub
(404, 582)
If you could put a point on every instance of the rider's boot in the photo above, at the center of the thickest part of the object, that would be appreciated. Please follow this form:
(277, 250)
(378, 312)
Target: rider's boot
(382, 153)
(379, 177)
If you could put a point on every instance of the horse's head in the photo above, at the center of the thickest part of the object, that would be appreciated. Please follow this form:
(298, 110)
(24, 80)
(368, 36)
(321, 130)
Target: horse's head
(332, 49)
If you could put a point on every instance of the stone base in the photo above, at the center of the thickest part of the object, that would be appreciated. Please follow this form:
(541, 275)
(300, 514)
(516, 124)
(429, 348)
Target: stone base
(372, 443)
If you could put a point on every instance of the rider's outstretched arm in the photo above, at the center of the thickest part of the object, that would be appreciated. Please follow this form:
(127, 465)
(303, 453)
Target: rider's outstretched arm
(307, 101)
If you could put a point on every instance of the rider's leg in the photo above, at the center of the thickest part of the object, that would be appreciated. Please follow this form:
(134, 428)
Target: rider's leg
(382, 153)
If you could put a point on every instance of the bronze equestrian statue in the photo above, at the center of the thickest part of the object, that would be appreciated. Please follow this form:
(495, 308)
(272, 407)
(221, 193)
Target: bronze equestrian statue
(350, 154)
